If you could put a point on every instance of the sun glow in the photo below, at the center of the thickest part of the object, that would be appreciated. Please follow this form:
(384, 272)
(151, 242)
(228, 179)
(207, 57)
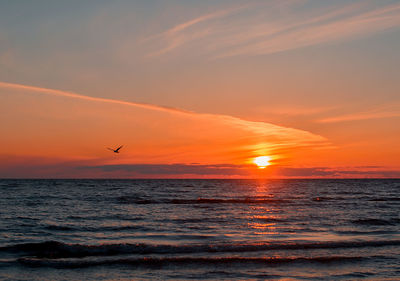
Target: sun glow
(262, 161)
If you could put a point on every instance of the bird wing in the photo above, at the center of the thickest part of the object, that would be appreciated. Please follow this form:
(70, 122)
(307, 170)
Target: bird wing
(110, 149)
(119, 148)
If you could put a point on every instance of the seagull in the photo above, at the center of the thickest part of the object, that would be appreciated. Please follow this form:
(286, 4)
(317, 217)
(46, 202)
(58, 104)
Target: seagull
(115, 150)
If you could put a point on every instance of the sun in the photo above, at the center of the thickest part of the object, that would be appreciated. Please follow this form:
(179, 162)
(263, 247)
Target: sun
(262, 161)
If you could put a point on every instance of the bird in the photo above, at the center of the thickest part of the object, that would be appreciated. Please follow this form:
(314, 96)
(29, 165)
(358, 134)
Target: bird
(115, 150)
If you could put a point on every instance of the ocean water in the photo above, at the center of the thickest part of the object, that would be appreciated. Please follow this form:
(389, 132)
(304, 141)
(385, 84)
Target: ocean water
(200, 229)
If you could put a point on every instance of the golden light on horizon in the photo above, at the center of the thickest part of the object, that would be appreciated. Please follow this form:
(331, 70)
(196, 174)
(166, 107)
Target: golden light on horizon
(262, 161)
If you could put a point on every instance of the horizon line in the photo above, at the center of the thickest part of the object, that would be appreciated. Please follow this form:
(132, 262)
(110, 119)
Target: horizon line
(226, 178)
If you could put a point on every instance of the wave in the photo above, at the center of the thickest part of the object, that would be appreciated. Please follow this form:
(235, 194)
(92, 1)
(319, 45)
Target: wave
(70, 228)
(328, 198)
(268, 220)
(197, 220)
(371, 222)
(385, 199)
(176, 261)
(54, 249)
(372, 232)
(135, 200)
(353, 198)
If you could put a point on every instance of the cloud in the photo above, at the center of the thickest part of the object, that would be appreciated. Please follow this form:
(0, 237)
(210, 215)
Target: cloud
(306, 172)
(175, 36)
(39, 167)
(376, 113)
(277, 135)
(89, 98)
(339, 172)
(359, 116)
(274, 27)
(173, 169)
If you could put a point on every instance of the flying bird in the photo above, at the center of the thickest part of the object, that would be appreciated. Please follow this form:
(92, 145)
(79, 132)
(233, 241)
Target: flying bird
(115, 150)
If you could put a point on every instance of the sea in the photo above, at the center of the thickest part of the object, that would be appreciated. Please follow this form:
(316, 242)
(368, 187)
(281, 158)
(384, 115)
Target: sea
(295, 229)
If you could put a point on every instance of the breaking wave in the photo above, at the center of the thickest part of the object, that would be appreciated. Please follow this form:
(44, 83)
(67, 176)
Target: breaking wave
(54, 249)
(168, 261)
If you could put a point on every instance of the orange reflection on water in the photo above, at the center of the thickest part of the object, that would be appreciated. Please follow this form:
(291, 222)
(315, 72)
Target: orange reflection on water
(265, 218)
(263, 228)
(264, 224)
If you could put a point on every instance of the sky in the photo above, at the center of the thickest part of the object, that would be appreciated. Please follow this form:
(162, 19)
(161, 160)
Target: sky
(199, 89)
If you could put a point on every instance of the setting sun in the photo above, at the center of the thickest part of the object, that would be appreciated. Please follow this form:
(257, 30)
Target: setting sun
(262, 161)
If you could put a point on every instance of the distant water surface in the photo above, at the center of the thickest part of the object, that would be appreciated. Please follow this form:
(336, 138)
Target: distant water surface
(200, 229)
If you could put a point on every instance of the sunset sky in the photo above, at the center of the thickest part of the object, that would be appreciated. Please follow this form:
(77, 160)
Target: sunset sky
(198, 89)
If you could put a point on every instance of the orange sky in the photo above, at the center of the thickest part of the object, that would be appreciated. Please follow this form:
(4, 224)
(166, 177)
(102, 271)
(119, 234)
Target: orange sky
(198, 90)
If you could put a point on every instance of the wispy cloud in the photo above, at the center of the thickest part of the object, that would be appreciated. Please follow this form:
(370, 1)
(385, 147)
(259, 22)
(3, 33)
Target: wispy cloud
(274, 27)
(67, 94)
(272, 134)
(176, 36)
(376, 113)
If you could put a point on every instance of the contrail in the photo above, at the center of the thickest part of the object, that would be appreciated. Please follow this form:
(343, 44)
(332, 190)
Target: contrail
(96, 99)
(257, 127)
